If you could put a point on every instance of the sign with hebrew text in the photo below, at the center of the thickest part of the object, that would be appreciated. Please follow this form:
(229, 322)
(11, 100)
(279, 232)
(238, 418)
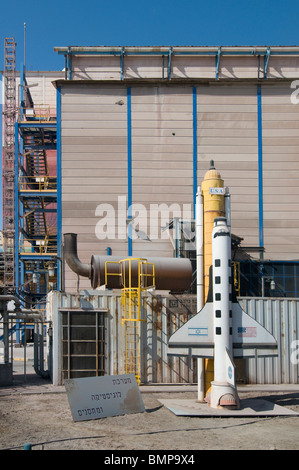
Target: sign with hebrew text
(100, 397)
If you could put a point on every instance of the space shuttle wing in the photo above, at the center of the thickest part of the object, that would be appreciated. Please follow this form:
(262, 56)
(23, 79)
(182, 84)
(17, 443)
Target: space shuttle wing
(195, 337)
(250, 336)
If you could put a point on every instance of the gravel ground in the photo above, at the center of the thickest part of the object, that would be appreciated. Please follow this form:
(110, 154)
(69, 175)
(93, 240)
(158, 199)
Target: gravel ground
(38, 413)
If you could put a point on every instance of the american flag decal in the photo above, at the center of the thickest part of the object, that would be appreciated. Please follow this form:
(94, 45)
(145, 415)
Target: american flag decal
(247, 332)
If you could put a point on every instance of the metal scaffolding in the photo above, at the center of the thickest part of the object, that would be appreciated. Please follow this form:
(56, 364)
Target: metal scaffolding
(36, 193)
(29, 190)
(9, 118)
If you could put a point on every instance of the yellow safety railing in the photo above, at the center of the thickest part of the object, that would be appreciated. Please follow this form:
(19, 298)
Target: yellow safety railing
(41, 246)
(37, 183)
(136, 275)
(236, 276)
(40, 113)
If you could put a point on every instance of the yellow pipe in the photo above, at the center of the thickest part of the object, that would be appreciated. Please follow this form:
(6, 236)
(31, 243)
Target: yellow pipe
(213, 206)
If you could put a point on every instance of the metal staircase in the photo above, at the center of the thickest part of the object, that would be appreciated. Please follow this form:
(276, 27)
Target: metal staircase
(37, 200)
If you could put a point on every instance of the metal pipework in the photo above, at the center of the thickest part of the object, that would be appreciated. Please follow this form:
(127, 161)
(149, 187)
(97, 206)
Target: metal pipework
(71, 256)
(173, 274)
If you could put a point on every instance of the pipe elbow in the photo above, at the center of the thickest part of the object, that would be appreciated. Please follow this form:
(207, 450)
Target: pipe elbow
(71, 256)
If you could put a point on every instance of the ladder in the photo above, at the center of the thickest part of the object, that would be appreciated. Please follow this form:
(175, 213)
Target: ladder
(137, 276)
(9, 118)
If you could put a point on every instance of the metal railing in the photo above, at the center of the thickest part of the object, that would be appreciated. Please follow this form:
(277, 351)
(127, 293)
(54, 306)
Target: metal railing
(39, 113)
(41, 246)
(37, 183)
(28, 332)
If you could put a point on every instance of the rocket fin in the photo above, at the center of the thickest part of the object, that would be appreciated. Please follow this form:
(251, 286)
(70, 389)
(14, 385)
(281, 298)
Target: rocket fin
(197, 333)
(195, 337)
(250, 335)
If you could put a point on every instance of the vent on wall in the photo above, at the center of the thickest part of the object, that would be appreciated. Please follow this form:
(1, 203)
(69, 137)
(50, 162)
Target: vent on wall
(83, 343)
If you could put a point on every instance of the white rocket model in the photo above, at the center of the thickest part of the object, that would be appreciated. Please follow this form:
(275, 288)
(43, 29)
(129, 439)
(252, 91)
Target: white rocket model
(222, 330)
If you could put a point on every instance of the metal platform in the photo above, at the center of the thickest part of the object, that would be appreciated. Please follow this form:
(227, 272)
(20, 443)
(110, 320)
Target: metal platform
(248, 407)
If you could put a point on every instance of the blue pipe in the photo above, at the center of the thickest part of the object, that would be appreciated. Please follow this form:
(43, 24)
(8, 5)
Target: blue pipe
(260, 166)
(194, 149)
(129, 175)
(59, 210)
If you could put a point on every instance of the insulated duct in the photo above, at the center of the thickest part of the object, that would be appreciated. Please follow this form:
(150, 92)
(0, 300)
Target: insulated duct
(71, 256)
(174, 274)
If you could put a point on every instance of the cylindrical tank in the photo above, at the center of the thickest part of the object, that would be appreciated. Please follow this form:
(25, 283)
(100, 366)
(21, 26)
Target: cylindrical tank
(173, 274)
(170, 273)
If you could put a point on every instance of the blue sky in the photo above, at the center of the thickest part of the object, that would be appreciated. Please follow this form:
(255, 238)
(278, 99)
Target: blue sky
(142, 23)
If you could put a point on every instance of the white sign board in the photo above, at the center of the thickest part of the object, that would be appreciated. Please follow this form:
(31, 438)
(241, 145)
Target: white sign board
(216, 190)
(100, 397)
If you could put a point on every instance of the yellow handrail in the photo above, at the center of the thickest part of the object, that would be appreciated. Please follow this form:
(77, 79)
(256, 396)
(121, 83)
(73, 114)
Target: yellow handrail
(40, 113)
(41, 246)
(37, 183)
(132, 286)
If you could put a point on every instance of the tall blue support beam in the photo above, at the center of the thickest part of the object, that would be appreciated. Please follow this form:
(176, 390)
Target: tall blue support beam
(266, 61)
(17, 272)
(69, 63)
(59, 192)
(194, 92)
(122, 63)
(129, 163)
(170, 52)
(260, 167)
(218, 56)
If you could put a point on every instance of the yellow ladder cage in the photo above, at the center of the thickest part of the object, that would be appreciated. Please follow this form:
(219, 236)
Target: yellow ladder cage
(136, 276)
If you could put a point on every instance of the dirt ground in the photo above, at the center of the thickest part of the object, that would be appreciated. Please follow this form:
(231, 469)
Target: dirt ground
(38, 413)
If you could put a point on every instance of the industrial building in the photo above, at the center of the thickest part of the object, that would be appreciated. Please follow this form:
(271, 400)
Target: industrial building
(144, 123)
(114, 148)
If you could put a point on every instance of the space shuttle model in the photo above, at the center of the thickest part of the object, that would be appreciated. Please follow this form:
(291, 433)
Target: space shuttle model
(221, 330)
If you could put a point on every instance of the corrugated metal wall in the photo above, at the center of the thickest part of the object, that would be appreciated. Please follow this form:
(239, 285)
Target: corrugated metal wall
(279, 316)
(280, 122)
(95, 157)
(94, 167)
(156, 365)
(41, 88)
(182, 67)
(227, 133)
(162, 137)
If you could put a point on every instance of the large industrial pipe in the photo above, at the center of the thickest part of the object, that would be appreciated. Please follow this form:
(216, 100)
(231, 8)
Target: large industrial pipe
(173, 274)
(71, 257)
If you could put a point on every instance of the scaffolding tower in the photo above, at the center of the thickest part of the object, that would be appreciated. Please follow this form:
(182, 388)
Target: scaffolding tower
(9, 118)
(36, 196)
